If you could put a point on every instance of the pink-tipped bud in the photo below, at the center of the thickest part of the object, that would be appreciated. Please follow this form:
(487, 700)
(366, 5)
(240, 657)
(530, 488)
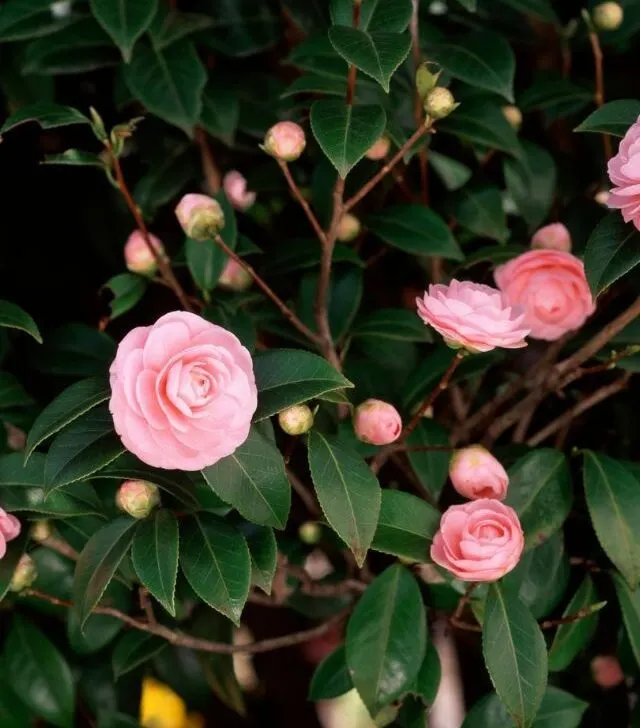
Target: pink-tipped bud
(606, 671)
(513, 115)
(200, 216)
(285, 140)
(377, 423)
(16, 438)
(440, 103)
(137, 498)
(475, 473)
(235, 188)
(24, 575)
(602, 197)
(553, 237)
(348, 228)
(137, 255)
(296, 420)
(40, 531)
(234, 277)
(310, 533)
(379, 150)
(608, 16)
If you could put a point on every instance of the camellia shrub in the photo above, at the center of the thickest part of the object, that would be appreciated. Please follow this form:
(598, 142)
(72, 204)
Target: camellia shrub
(317, 373)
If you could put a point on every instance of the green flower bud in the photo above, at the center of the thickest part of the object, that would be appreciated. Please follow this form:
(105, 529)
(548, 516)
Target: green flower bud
(296, 420)
(24, 575)
(513, 115)
(310, 533)
(137, 498)
(608, 16)
(40, 531)
(440, 103)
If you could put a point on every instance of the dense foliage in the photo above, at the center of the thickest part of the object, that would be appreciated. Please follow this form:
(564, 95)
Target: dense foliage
(238, 419)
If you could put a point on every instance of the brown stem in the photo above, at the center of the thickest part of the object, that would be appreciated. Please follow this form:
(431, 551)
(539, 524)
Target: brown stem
(599, 92)
(520, 433)
(295, 191)
(464, 600)
(607, 365)
(146, 605)
(211, 172)
(195, 643)
(547, 624)
(305, 494)
(281, 305)
(418, 111)
(163, 264)
(61, 547)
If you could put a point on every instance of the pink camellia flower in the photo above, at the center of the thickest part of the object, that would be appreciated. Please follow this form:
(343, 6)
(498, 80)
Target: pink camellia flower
(478, 541)
(475, 473)
(9, 529)
(377, 423)
(138, 257)
(200, 216)
(473, 316)
(182, 392)
(552, 288)
(285, 140)
(235, 188)
(624, 173)
(552, 237)
(606, 671)
(235, 277)
(379, 149)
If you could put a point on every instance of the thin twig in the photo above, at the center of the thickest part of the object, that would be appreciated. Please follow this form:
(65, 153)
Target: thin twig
(305, 494)
(547, 624)
(209, 167)
(464, 600)
(295, 191)
(61, 547)
(146, 605)
(599, 91)
(418, 111)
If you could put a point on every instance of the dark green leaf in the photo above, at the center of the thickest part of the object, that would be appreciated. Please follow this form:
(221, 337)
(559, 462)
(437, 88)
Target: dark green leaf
(482, 122)
(613, 118)
(76, 350)
(540, 492)
(155, 556)
(242, 27)
(109, 719)
(415, 229)
(12, 393)
(531, 182)
(431, 466)
(389, 15)
(127, 289)
(100, 629)
(253, 480)
(304, 253)
(74, 158)
(396, 324)
(540, 9)
(544, 577)
(406, 526)
(13, 317)
(124, 20)
(98, 563)
(554, 96)
(479, 209)
(168, 174)
(48, 116)
(220, 109)
(386, 638)
(613, 249)
(348, 492)
(264, 557)
(134, 649)
(611, 491)
(345, 133)
(215, 559)
(515, 654)
(630, 607)
(170, 25)
(9, 561)
(13, 712)
(428, 680)
(331, 678)
(453, 174)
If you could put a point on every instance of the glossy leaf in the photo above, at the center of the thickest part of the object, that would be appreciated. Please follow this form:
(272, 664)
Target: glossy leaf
(611, 491)
(629, 601)
(134, 649)
(515, 654)
(345, 133)
(347, 490)
(215, 560)
(431, 466)
(155, 556)
(48, 116)
(170, 25)
(479, 209)
(124, 20)
(613, 118)
(220, 109)
(406, 526)
(78, 499)
(482, 122)
(127, 289)
(386, 638)
(77, 350)
(388, 15)
(395, 324)
(331, 678)
(545, 576)
(168, 174)
(100, 629)
(263, 549)
(13, 712)
(613, 249)
(13, 317)
(558, 96)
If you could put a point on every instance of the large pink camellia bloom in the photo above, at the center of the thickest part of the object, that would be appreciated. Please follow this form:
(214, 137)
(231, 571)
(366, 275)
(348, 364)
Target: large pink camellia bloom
(9, 529)
(478, 541)
(473, 316)
(182, 392)
(624, 173)
(552, 288)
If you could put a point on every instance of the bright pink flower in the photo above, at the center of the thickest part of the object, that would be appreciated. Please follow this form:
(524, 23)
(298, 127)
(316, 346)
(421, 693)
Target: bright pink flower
(379, 149)
(235, 188)
(235, 277)
(138, 257)
(553, 237)
(9, 529)
(200, 216)
(475, 473)
(478, 541)
(624, 173)
(551, 287)
(285, 140)
(606, 671)
(377, 423)
(182, 392)
(473, 316)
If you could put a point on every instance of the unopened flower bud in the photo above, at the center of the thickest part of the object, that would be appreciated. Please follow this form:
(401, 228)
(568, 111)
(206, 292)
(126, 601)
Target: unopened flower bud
(513, 115)
(379, 149)
(296, 420)
(552, 237)
(24, 575)
(285, 140)
(200, 216)
(602, 197)
(40, 531)
(348, 228)
(235, 188)
(440, 103)
(606, 671)
(310, 533)
(608, 16)
(60, 9)
(137, 498)
(425, 80)
(137, 255)
(476, 473)
(234, 277)
(377, 423)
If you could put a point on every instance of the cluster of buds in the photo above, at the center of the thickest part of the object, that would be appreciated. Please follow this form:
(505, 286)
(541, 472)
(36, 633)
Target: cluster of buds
(137, 498)
(438, 101)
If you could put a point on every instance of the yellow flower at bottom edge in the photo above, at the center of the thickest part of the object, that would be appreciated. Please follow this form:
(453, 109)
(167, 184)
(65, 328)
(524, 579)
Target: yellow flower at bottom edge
(160, 707)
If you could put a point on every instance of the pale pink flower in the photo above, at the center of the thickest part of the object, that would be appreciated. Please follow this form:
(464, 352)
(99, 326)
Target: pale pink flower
(606, 671)
(235, 188)
(478, 541)
(183, 392)
(377, 423)
(235, 277)
(551, 287)
(200, 216)
(624, 173)
(285, 140)
(9, 529)
(138, 257)
(379, 149)
(552, 237)
(475, 473)
(473, 316)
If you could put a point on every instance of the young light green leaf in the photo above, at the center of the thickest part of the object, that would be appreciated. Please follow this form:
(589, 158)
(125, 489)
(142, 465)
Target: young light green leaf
(48, 116)
(128, 289)
(155, 556)
(134, 649)
(386, 638)
(515, 654)
(613, 118)
(331, 678)
(74, 158)
(13, 317)
(345, 133)
(348, 492)
(406, 526)
(613, 249)
(611, 491)
(124, 20)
